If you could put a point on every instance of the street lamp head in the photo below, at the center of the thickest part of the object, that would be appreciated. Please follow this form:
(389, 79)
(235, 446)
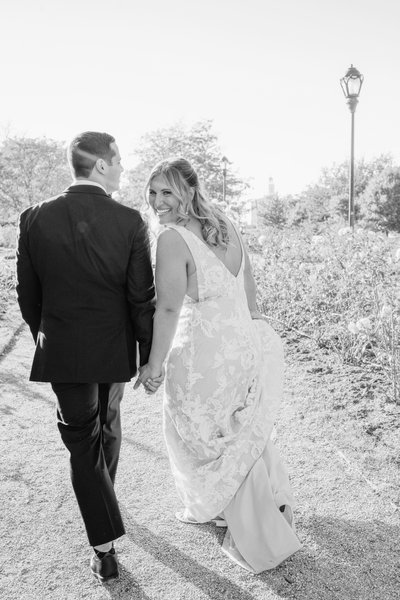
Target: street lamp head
(351, 85)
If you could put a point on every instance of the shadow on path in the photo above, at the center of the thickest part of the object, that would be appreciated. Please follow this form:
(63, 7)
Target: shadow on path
(30, 389)
(144, 448)
(349, 561)
(126, 587)
(11, 342)
(182, 564)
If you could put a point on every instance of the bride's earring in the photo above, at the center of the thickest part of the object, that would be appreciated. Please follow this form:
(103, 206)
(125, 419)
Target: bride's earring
(185, 219)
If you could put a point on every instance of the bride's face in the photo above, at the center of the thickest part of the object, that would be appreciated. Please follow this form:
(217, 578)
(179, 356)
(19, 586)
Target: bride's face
(163, 201)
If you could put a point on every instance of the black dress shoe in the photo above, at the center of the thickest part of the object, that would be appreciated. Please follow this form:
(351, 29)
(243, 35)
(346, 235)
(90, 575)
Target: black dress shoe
(104, 565)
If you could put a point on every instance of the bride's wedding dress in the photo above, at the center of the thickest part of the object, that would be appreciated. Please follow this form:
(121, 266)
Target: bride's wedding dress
(223, 384)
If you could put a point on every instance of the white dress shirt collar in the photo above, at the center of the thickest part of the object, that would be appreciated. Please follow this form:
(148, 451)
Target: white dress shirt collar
(88, 182)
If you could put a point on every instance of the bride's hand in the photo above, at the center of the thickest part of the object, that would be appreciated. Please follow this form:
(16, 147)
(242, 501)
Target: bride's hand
(150, 378)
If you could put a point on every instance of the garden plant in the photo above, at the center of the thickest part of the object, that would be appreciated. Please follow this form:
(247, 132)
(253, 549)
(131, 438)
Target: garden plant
(339, 289)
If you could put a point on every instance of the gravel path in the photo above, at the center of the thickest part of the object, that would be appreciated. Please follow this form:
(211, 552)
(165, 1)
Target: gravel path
(350, 533)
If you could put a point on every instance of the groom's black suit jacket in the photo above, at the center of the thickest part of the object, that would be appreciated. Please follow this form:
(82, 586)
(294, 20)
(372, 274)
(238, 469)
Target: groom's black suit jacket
(85, 287)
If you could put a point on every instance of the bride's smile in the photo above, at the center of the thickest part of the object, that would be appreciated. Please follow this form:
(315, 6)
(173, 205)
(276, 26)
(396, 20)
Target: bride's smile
(163, 200)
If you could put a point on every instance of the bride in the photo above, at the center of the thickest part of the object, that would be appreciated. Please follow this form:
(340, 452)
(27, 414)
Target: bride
(224, 367)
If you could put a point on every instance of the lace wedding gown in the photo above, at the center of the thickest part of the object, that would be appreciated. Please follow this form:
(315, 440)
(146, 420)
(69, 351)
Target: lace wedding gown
(223, 383)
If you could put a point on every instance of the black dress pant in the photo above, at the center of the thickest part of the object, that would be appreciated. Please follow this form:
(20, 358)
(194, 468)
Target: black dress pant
(89, 423)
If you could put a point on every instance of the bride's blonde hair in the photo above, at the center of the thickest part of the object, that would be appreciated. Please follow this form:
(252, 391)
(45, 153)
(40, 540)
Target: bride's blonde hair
(193, 201)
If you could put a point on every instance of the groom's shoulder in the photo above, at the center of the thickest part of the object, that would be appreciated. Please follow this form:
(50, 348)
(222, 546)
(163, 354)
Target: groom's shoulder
(126, 210)
(32, 211)
(128, 213)
(48, 202)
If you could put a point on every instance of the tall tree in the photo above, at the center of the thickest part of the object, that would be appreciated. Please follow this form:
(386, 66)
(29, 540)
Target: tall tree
(273, 211)
(316, 203)
(198, 144)
(31, 170)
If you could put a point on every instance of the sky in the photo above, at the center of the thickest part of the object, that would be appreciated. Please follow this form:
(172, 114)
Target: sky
(266, 72)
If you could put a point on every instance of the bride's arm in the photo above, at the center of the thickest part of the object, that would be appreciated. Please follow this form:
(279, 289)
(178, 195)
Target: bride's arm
(251, 288)
(171, 285)
(249, 283)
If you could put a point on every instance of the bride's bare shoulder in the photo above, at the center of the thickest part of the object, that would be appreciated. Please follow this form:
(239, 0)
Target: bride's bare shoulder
(168, 234)
(170, 240)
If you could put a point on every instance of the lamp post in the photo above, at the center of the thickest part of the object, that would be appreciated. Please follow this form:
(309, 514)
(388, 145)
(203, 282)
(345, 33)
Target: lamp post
(224, 161)
(351, 85)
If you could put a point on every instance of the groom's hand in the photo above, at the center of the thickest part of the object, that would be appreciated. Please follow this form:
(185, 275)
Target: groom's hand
(150, 380)
(154, 383)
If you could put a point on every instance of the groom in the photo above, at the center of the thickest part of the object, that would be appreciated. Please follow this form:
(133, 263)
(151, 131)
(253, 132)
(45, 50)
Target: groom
(85, 288)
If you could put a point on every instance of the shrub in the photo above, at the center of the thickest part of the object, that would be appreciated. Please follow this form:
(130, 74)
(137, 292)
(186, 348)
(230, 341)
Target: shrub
(7, 282)
(7, 236)
(337, 288)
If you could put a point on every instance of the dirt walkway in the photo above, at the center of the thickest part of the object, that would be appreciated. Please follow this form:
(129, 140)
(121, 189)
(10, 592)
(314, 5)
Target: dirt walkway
(350, 533)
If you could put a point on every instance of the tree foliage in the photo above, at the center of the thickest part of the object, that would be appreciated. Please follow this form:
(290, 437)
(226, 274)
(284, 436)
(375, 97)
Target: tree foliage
(273, 211)
(381, 200)
(198, 144)
(328, 198)
(313, 205)
(335, 180)
(31, 170)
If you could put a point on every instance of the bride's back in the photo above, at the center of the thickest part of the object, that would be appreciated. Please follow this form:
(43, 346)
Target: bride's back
(231, 256)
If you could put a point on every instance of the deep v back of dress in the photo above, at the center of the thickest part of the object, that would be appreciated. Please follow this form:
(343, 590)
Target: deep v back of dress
(213, 273)
(232, 256)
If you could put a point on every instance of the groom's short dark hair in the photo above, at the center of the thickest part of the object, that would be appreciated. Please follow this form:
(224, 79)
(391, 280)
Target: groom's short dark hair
(86, 148)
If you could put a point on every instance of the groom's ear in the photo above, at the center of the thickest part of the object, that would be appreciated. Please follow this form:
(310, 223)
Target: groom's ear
(100, 165)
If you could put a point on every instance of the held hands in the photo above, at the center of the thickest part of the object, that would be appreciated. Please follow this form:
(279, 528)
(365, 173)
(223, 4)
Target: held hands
(150, 378)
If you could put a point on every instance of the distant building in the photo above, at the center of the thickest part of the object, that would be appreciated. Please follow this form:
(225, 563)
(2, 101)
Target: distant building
(271, 188)
(251, 217)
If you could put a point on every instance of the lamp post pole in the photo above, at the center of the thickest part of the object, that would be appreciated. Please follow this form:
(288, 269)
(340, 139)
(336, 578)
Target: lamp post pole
(224, 161)
(351, 85)
(351, 216)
